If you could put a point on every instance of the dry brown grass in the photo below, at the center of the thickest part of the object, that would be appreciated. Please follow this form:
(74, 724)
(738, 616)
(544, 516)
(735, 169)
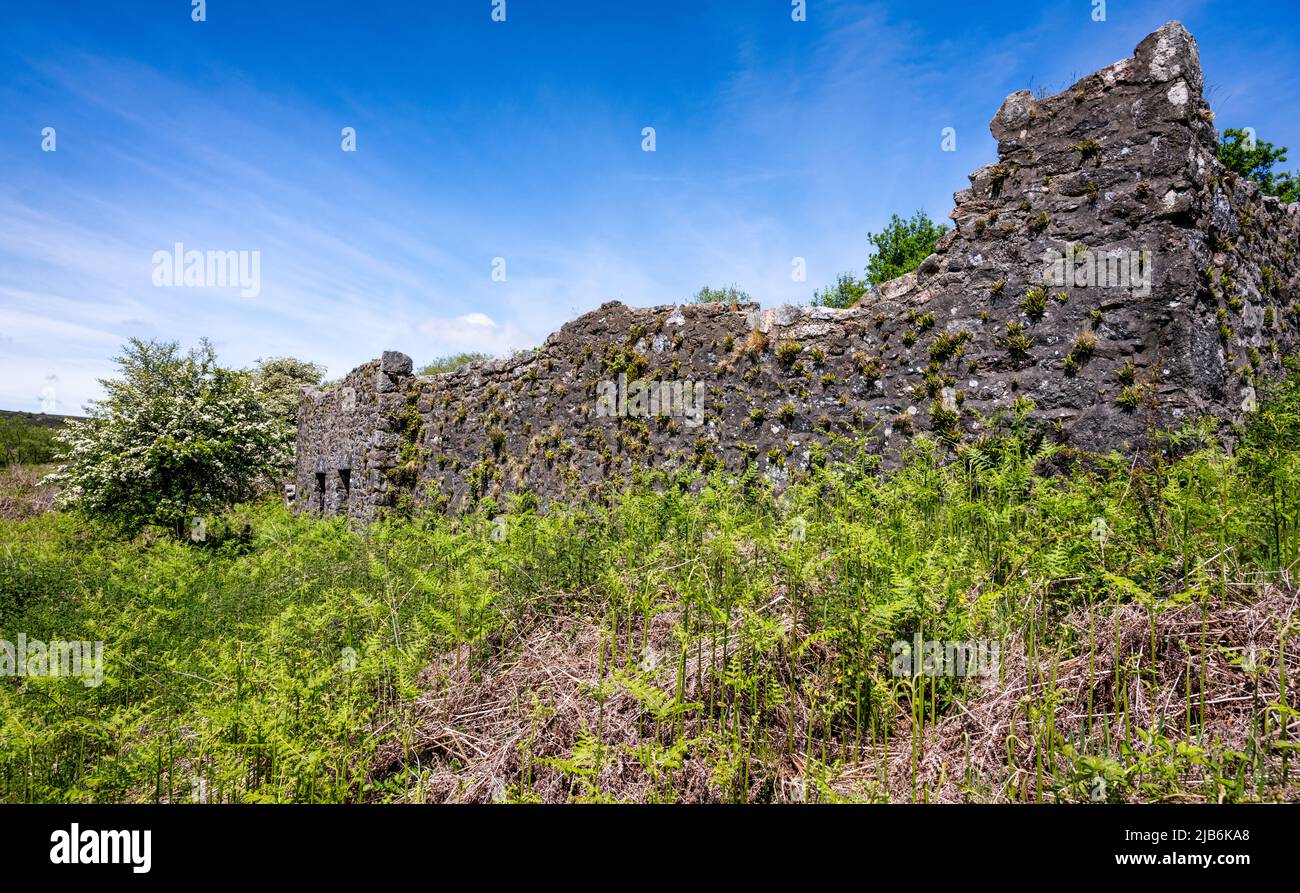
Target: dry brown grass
(994, 737)
(485, 724)
(481, 728)
(513, 710)
(22, 495)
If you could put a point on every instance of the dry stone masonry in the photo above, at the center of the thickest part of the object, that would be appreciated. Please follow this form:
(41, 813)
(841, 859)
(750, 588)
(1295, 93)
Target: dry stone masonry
(1106, 271)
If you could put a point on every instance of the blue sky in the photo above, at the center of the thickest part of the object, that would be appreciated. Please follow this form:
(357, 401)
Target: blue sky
(520, 140)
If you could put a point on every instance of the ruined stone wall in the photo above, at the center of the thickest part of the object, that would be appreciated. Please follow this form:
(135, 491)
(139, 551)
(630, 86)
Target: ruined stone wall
(350, 438)
(1203, 296)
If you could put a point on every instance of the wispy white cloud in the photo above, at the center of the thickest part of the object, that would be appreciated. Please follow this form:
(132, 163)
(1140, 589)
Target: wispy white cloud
(473, 332)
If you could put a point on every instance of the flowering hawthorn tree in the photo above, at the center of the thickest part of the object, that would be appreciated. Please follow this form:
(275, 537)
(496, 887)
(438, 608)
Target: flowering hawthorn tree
(176, 437)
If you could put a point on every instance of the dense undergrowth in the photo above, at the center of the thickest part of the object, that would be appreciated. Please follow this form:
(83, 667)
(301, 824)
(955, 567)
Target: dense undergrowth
(717, 643)
(25, 442)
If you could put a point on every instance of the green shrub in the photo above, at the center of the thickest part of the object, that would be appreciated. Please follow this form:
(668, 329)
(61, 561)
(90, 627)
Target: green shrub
(728, 294)
(451, 363)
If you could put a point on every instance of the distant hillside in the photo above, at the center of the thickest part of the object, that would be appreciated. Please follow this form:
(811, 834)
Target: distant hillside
(38, 419)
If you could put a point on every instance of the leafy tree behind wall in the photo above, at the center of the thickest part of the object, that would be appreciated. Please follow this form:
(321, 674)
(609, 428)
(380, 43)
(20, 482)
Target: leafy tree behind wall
(278, 383)
(844, 293)
(1256, 162)
(901, 246)
(452, 362)
(899, 249)
(177, 436)
(728, 294)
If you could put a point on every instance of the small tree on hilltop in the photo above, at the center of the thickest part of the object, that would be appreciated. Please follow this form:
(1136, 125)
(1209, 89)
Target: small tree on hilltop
(176, 437)
(1255, 162)
(901, 246)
